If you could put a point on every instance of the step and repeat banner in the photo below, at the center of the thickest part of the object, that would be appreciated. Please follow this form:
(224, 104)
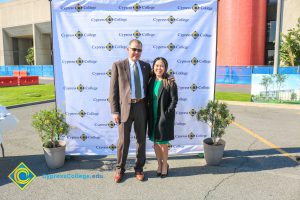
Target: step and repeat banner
(89, 35)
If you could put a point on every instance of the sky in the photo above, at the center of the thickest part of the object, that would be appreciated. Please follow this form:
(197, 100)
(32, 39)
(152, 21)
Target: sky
(3, 1)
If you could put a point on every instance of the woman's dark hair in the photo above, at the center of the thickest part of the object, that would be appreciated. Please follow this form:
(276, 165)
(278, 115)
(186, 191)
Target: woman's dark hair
(167, 80)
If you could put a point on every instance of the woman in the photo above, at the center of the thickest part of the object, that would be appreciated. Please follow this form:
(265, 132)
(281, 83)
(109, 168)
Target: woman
(162, 94)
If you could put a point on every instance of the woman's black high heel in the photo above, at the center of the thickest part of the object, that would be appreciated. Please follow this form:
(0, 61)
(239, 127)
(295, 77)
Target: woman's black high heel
(165, 175)
(158, 173)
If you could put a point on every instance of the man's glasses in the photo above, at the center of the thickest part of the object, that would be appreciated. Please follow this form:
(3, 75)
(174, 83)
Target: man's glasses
(135, 49)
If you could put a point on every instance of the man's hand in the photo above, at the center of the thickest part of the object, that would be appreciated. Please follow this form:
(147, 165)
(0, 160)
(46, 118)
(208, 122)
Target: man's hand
(116, 118)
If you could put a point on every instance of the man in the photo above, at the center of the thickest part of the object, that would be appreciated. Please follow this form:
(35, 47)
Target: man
(128, 86)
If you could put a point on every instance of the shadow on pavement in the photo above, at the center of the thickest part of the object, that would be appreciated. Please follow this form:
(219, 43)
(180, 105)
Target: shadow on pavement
(234, 161)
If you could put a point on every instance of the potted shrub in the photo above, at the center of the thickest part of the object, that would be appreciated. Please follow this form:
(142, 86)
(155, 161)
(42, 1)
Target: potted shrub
(218, 117)
(51, 124)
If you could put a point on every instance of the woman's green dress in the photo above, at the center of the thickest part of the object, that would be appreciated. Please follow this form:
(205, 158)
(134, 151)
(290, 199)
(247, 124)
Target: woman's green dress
(155, 94)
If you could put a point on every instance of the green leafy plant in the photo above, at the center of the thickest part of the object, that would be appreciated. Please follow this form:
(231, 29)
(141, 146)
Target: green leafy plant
(30, 56)
(290, 46)
(50, 125)
(217, 116)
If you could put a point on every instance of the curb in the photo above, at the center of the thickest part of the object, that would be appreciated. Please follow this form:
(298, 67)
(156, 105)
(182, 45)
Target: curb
(30, 104)
(265, 105)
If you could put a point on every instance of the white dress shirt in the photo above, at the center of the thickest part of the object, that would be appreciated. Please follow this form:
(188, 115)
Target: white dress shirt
(131, 67)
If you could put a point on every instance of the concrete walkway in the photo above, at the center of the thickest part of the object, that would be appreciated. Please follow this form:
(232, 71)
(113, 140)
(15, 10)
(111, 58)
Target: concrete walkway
(259, 163)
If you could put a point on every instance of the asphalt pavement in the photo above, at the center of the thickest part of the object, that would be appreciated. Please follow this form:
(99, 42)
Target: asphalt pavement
(259, 163)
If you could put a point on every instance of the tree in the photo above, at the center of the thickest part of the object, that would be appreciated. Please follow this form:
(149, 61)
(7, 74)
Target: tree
(30, 56)
(266, 82)
(290, 46)
(279, 79)
(293, 96)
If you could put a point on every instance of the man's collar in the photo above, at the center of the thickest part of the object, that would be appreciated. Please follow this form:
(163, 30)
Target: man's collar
(132, 62)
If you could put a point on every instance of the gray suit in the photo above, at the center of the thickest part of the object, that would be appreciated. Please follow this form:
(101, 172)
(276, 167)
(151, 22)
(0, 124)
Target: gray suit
(120, 102)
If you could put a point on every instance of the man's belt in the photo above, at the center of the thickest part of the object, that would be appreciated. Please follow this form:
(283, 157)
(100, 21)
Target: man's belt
(136, 100)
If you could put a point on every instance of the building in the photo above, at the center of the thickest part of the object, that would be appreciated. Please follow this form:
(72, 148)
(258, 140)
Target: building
(246, 31)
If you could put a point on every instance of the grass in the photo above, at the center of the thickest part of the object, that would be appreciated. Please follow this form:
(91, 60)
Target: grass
(26, 94)
(233, 96)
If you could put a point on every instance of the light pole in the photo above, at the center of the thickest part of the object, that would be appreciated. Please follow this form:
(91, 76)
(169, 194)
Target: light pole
(277, 36)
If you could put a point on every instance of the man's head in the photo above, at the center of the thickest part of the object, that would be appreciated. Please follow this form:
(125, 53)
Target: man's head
(134, 50)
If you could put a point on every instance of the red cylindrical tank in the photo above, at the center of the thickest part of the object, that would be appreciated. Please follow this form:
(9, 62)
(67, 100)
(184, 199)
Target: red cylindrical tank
(241, 32)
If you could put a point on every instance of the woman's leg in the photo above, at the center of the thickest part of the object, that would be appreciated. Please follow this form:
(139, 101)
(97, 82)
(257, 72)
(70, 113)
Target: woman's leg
(158, 154)
(165, 151)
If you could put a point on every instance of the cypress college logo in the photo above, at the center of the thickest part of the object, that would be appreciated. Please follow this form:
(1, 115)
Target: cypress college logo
(107, 73)
(192, 112)
(83, 137)
(170, 46)
(79, 61)
(82, 113)
(193, 87)
(78, 8)
(110, 124)
(108, 47)
(194, 35)
(136, 7)
(194, 7)
(137, 34)
(180, 73)
(112, 147)
(190, 136)
(194, 61)
(78, 35)
(22, 176)
(80, 88)
(109, 19)
(170, 19)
